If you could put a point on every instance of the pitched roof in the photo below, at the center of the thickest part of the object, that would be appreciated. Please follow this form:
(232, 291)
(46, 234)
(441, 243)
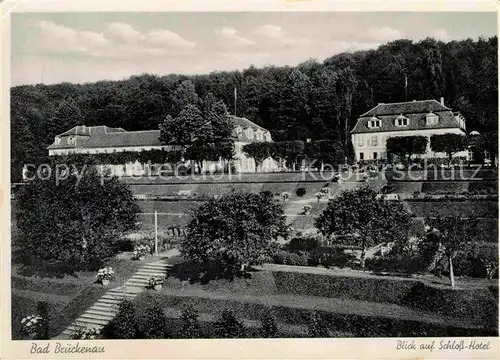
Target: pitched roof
(409, 107)
(415, 111)
(243, 122)
(106, 137)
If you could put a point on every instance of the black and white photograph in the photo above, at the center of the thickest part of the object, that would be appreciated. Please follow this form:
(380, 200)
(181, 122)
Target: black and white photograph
(253, 175)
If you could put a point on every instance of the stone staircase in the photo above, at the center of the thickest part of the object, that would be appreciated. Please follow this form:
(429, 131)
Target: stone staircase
(106, 308)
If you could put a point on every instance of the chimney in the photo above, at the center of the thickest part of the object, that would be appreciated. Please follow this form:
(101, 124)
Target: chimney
(442, 100)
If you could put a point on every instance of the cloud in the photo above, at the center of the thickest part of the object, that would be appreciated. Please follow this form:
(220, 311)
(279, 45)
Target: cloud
(385, 33)
(124, 32)
(167, 37)
(276, 33)
(231, 34)
(60, 38)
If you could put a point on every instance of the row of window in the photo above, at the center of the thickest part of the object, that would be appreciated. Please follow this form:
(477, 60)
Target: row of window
(400, 121)
(250, 133)
(375, 156)
(372, 141)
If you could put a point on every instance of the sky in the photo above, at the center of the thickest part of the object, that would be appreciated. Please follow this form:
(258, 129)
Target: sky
(86, 47)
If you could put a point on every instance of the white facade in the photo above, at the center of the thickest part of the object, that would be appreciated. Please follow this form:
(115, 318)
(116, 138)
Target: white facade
(372, 146)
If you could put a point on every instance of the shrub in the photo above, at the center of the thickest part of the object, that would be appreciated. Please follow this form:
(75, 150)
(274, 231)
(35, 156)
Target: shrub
(329, 256)
(303, 243)
(43, 310)
(155, 323)
(317, 327)
(292, 259)
(227, 326)
(300, 192)
(280, 256)
(124, 325)
(269, 329)
(190, 328)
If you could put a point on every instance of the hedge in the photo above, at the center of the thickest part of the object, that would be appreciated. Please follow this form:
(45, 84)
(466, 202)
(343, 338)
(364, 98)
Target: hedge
(355, 324)
(389, 290)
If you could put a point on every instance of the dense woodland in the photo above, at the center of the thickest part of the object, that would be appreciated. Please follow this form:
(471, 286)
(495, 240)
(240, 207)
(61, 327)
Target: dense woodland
(317, 100)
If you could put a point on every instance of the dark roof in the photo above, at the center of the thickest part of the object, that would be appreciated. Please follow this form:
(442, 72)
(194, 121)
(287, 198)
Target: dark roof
(105, 137)
(410, 107)
(243, 122)
(415, 111)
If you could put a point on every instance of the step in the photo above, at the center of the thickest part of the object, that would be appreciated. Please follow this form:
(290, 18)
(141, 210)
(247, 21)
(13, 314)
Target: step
(104, 308)
(119, 293)
(143, 276)
(99, 313)
(157, 266)
(94, 316)
(151, 272)
(91, 321)
(138, 282)
(109, 301)
(74, 327)
(116, 297)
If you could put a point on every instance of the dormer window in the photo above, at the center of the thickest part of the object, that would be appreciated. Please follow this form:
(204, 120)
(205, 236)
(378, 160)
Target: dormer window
(71, 140)
(258, 135)
(238, 130)
(401, 121)
(431, 119)
(249, 133)
(57, 140)
(267, 136)
(374, 123)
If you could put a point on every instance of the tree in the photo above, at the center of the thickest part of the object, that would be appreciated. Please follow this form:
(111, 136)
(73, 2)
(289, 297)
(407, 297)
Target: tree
(227, 326)
(190, 328)
(364, 221)
(124, 325)
(259, 151)
(184, 95)
(406, 146)
(452, 234)
(76, 220)
(203, 135)
(155, 323)
(235, 229)
(448, 143)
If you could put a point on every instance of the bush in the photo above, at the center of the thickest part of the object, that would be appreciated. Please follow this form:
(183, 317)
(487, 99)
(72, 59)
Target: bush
(317, 327)
(124, 325)
(269, 329)
(303, 244)
(292, 259)
(330, 256)
(227, 326)
(155, 323)
(300, 192)
(190, 328)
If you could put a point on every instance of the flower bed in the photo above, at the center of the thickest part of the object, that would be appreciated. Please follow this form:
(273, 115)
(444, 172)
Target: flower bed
(141, 251)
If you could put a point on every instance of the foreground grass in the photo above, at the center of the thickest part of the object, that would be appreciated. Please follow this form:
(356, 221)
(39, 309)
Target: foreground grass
(68, 296)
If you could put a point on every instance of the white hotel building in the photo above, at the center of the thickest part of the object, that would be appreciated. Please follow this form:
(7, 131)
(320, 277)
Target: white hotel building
(422, 118)
(103, 139)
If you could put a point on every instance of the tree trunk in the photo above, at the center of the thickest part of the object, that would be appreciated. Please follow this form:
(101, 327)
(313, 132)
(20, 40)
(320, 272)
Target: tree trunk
(362, 258)
(452, 276)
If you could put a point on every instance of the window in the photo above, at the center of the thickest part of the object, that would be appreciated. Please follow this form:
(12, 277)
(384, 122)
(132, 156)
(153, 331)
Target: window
(360, 140)
(374, 124)
(250, 133)
(58, 140)
(375, 156)
(401, 121)
(238, 130)
(374, 140)
(258, 135)
(432, 119)
(361, 156)
(71, 140)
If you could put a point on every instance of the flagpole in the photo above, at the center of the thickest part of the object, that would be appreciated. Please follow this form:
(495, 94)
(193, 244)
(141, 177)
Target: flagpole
(235, 96)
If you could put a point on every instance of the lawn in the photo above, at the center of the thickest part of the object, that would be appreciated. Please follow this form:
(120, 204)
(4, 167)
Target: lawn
(357, 305)
(68, 296)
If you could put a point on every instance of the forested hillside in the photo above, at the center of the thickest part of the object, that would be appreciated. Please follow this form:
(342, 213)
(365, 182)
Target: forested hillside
(318, 100)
